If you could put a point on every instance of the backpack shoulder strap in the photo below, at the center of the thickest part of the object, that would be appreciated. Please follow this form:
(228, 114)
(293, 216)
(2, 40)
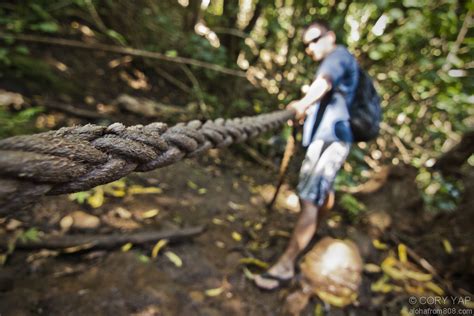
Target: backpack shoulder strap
(323, 104)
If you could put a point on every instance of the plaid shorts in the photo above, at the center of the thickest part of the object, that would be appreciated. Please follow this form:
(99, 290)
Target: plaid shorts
(318, 171)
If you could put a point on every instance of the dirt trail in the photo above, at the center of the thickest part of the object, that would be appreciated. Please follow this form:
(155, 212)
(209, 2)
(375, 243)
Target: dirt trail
(221, 191)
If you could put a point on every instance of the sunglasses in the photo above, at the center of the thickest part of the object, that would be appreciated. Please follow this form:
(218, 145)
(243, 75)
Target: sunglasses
(314, 40)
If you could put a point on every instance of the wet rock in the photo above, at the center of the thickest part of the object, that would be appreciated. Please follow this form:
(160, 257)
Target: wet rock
(8, 98)
(13, 224)
(66, 223)
(333, 270)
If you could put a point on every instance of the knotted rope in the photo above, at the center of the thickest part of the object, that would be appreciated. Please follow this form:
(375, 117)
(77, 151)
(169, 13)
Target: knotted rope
(74, 159)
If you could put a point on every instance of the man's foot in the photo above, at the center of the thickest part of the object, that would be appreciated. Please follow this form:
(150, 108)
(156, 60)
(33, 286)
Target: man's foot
(275, 277)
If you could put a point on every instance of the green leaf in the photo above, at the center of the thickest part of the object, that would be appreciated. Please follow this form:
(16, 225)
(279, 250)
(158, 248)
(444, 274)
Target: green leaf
(48, 27)
(117, 36)
(31, 234)
(352, 205)
(22, 49)
(171, 53)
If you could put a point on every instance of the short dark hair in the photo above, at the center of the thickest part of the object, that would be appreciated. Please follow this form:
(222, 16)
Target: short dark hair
(320, 24)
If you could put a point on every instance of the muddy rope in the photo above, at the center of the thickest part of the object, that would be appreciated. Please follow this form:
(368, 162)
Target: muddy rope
(74, 159)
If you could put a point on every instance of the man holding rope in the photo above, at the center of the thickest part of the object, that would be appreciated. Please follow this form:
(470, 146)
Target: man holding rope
(328, 138)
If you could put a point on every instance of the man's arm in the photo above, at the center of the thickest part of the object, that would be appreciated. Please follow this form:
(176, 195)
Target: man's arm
(316, 91)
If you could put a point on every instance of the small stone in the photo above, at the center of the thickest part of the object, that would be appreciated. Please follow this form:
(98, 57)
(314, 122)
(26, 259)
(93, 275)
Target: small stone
(82, 220)
(379, 222)
(333, 269)
(13, 224)
(196, 296)
(66, 222)
(123, 213)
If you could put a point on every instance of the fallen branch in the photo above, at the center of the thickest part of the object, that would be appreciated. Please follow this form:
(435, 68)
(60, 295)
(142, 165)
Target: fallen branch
(122, 50)
(172, 79)
(72, 110)
(74, 243)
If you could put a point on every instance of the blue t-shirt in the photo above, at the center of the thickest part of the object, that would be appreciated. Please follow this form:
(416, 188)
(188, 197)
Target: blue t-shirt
(340, 67)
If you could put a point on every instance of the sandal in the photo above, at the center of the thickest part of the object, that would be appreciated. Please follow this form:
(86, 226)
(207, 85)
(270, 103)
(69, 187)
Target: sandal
(281, 282)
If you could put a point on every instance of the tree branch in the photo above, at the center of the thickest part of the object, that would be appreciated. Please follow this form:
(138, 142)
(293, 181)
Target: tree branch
(73, 243)
(122, 50)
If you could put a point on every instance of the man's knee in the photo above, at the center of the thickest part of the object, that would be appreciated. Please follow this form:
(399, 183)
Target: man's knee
(308, 208)
(329, 202)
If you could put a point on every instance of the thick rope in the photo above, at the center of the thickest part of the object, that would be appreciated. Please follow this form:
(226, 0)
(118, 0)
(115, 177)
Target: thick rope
(74, 159)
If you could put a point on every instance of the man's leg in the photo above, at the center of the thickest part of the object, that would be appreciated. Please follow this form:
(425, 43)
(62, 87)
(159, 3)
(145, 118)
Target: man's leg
(302, 234)
(317, 174)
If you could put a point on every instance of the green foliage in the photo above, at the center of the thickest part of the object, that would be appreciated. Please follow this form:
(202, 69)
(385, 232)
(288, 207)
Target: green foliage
(32, 234)
(353, 206)
(200, 48)
(116, 36)
(19, 122)
(80, 197)
(439, 193)
(29, 15)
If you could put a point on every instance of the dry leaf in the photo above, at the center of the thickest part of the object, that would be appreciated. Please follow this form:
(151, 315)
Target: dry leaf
(126, 247)
(402, 253)
(78, 248)
(379, 245)
(235, 206)
(372, 268)
(137, 189)
(150, 213)
(174, 258)
(447, 246)
(97, 199)
(214, 292)
(249, 275)
(217, 221)
(236, 236)
(435, 288)
(255, 262)
(158, 246)
(192, 185)
(418, 276)
(66, 222)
